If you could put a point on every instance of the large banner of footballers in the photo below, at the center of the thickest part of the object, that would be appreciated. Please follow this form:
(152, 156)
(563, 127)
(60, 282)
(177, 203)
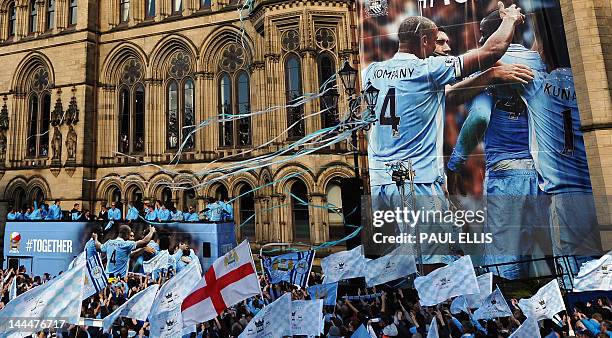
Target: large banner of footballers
(476, 146)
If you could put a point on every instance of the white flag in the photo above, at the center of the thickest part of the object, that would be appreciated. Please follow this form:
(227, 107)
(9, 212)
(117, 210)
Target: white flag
(485, 285)
(59, 299)
(529, 329)
(13, 289)
(455, 279)
(343, 265)
(546, 303)
(306, 317)
(459, 305)
(231, 279)
(136, 307)
(494, 306)
(271, 321)
(399, 263)
(165, 316)
(433, 329)
(161, 261)
(595, 275)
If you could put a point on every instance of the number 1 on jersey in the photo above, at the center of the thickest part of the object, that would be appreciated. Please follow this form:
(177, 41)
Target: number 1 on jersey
(391, 120)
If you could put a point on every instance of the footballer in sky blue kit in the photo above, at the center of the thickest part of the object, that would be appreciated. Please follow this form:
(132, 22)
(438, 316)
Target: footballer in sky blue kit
(511, 181)
(118, 250)
(558, 150)
(410, 115)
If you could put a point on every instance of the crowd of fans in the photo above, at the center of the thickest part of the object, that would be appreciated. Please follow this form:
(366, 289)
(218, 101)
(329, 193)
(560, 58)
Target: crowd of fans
(155, 211)
(384, 311)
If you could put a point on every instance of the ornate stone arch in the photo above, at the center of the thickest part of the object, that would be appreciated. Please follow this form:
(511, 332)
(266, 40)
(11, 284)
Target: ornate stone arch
(27, 70)
(332, 171)
(106, 185)
(13, 185)
(245, 178)
(213, 45)
(40, 183)
(133, 182)
(116, 60)
(165, 49)
(298, 171)
(157, 183)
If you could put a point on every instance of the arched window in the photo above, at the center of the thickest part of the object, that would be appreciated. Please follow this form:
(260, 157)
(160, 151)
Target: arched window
(205, 4)
(135, 196)
(33, 17)
(131, 109)
(189, 198)
(19, 198)
(226, 132)
(50, 14)
(37, 195)
(114, 196)
(150, 8)
(124, 10)
(327, 69)
(39, 105)
(177, 6)
(246, 205)
(234, 98)
(220, 192)
(166, 197)
(180, 101)
(12, 20)
(299, 211)
(293, 90)
(72, 12)
(335, 217)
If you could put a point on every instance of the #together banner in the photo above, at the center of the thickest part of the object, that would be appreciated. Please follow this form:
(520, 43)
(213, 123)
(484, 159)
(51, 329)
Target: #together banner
(293, 267)
(455, 279)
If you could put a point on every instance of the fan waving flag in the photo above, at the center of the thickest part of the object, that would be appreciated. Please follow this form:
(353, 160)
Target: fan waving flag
(433, 329)
(162, 260)
(529, 329)
(230, 280)
(459, 305)
(271, 321)
(399, 263)
(306, 317)
(165, 315)
(293, 267)
(13, 289)
(455, 279)
(343, 265)
(137, 307)
(546, 303)
(59, 299)
(327, 292)
(595, 275)
(494, 306)
(485, 285)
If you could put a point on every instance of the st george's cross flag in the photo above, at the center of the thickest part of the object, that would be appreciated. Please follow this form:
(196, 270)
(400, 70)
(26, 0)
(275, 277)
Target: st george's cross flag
(494, 306)
(165, 315)
(433, 329)
(58, 299)
(271, 321)
(398, 263)
(529, 329)
(455, 279)
(293, 268)
(485, 285)
(595, 275)
(546, 303)
(230, 280)
(137, 307)
(344, 265)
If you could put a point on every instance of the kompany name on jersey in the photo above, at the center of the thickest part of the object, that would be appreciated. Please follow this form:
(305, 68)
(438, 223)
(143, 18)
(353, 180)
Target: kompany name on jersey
(396, 73)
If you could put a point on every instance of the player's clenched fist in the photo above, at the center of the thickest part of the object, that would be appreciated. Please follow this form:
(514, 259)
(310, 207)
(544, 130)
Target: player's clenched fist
(511, 12)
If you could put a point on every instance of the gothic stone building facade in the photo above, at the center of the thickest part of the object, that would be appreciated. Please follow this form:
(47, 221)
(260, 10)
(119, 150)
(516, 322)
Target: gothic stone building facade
(90, 90)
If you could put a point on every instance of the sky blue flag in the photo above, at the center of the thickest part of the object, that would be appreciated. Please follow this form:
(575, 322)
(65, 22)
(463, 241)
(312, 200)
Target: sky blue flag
(136, 307)
(494, 306)
(361, 332)
(271, 321)
(293, 267)
(13, 289)
(59, 298)
(327, 292)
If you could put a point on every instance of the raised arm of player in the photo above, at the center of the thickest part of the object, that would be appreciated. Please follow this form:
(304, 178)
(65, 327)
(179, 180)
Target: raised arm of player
(467, 89)
(97, 244)
(146, 239)
(484, 57)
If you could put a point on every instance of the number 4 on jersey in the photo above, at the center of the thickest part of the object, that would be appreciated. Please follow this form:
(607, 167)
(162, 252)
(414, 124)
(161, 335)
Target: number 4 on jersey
(391, 120)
